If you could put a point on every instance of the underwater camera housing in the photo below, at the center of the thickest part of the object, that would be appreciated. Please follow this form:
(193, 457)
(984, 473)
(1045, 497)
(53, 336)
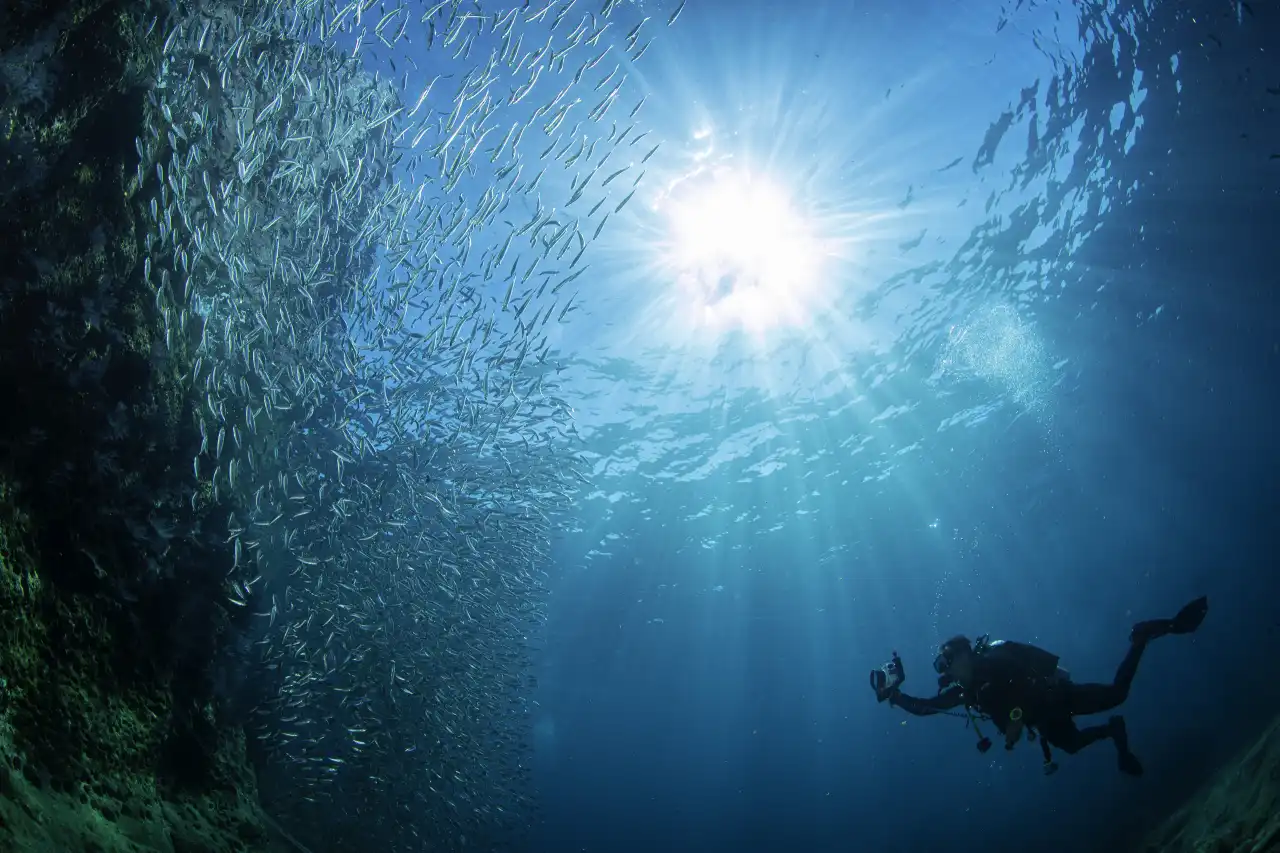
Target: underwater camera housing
(885, 680)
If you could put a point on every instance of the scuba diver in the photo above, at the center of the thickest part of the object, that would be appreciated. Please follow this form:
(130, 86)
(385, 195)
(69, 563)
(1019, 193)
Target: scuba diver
(1021, 689)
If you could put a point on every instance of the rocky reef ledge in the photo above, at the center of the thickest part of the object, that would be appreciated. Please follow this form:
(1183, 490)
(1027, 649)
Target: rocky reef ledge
(113, 735)
(95, 754)
(1238, 811)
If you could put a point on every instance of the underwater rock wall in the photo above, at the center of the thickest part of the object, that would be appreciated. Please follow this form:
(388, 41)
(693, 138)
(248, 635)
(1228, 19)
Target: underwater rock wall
(109, 738)
(1238, 811)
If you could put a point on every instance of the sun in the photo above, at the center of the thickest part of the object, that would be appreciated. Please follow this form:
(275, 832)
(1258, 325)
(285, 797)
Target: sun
(743, 255)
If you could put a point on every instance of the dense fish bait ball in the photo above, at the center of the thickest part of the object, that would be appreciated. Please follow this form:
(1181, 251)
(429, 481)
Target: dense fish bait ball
(364, 274)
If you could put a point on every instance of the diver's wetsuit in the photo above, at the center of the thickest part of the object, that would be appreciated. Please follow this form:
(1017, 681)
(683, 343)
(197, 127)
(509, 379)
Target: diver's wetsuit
(1015, 675)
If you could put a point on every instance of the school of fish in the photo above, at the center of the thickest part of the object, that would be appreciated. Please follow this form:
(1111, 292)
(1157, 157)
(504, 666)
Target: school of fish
(365, 276)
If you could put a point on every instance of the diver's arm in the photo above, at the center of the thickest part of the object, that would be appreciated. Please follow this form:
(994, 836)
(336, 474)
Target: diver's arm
(944, 701)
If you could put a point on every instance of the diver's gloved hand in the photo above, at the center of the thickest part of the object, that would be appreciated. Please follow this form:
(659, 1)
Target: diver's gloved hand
(885, 680)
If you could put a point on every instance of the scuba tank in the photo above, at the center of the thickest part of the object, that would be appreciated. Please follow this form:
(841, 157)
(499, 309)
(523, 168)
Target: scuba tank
(1034, 661)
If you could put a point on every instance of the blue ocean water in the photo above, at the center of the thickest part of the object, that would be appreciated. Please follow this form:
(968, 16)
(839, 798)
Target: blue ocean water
(1025, 386)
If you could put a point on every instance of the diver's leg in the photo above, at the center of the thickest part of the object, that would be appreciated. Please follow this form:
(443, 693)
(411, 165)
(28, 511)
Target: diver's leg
(1096, 698)
(1084, 699)
(1128, 762)
(1067, 737)
(1125, 672)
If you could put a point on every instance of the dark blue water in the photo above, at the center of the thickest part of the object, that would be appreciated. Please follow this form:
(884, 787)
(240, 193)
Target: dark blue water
(703, 680)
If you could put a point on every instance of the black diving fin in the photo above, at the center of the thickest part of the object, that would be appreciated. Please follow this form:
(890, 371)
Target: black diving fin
(1186, 622)
(1190, 617)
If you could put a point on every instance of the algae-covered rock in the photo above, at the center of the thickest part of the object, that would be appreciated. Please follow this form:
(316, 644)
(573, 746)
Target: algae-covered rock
(94, 753)
(110, 571)
(1237, 812)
